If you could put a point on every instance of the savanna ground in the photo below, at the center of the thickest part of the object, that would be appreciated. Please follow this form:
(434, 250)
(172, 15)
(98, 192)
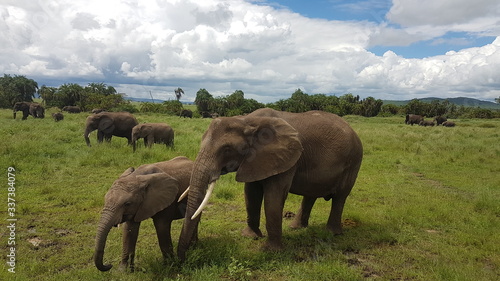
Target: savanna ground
(425, 207)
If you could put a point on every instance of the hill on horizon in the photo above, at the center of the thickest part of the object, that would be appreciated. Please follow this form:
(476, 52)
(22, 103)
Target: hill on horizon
(468, 102)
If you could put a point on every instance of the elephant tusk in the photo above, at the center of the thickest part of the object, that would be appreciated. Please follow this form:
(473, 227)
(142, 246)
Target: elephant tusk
(184, 194)
(205, 200)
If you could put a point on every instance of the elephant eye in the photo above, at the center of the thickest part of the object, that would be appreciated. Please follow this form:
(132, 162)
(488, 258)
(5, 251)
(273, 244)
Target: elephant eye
(128, 203)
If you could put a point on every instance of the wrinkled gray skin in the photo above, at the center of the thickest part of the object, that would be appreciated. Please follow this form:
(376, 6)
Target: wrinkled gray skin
(413, 119)
(28, 108)
(110, 124)
(153, 133)
(313, 154)
(151, 190)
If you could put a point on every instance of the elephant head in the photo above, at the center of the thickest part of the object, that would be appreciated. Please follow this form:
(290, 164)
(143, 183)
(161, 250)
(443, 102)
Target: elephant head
(99, 122)
(254, 147)
(140, 131)
(135, 196)
(21, 106)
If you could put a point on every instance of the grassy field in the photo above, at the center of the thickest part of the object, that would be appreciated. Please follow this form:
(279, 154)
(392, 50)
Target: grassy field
(425, 207)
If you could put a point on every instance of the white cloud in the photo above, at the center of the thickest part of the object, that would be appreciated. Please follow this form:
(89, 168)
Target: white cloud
(142, 46)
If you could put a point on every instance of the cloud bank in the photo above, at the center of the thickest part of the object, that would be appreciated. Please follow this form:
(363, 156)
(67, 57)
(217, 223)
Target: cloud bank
(223, 46)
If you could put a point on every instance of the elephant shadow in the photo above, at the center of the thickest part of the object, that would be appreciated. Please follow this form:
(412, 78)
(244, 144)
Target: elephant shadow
(300, 245)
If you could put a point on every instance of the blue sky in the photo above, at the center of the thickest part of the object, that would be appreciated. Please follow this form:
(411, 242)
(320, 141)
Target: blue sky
(400, 49)
(375, 11)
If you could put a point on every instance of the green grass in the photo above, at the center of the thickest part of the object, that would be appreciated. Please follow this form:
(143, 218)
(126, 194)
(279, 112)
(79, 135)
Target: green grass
(425, 207)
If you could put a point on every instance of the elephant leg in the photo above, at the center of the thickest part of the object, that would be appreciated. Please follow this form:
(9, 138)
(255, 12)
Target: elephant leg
(100, 136)
(25, 115)
(275, 193)
(302, 218)
(253, 199)
(130, 234)
(334, 223)
(163, 225)
(151, 140)
(108, 137)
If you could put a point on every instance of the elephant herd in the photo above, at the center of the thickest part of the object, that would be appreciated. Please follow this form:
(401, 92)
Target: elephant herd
(419, 120)
(124, 124)
(313, 154)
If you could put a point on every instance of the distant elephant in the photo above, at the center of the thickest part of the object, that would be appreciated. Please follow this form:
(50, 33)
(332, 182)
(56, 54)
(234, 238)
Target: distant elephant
(72, 109)
(440, 119)
(29, 108)
(206, 114)
(153, 133)
(426, 123)
(110, 124)
(413, 119)
(449, 124)
(313, 154)
(97, 110)
(58, 116)
(186, 113)
(150, 191)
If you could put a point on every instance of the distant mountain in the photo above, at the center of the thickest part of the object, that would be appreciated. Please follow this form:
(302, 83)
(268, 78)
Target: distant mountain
(458, 101)
(149, 100)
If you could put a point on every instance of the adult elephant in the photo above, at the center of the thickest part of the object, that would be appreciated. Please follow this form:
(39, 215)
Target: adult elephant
(28, 108)
(72, 109)
(186, 113)
(110, 124)
(153, 133)
(440, 120)
(313, 154)
(413, 119)
(150, 191)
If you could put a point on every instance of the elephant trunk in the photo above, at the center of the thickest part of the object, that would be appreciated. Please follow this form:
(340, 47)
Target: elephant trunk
(134, 143)
(88, 130)
(203, 174)
(107, 221)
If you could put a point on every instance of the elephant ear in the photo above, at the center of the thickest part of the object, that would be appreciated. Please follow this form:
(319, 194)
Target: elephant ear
(160, 190)
(127, 172)
(274, 148)
(106, 125)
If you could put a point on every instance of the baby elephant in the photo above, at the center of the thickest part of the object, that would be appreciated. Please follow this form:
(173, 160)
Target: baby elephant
(58, 116)
(153, 133)
(426, 123)
(150, 191)
(449, 124)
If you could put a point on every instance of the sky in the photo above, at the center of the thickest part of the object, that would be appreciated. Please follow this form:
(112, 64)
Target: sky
(392, 50)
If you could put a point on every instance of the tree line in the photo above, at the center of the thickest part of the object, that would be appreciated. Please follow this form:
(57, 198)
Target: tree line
(99, 95)
(95, 95)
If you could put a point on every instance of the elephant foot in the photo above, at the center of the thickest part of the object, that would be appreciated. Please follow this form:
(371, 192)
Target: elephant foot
(272, 246)
(335, 230)
(296, 224)
(124, 266)
(248, 232)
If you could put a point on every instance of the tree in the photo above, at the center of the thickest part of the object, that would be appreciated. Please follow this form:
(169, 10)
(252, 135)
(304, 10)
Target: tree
(370, 107)
(100, 88)
(178, 93)
(203, 100)
(16, 88)
(497, 100)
